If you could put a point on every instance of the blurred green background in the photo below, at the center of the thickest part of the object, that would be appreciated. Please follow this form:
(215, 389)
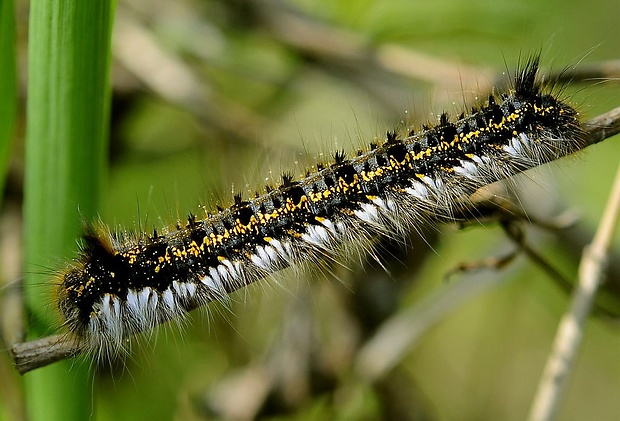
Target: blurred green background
(215, 96)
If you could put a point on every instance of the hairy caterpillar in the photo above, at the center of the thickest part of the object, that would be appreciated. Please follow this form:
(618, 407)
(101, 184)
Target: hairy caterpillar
(118, 287)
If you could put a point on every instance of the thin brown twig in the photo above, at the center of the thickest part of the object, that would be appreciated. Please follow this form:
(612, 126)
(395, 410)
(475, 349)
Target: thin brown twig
(517, 236)
(602, 70)
(570, 332)
(602, 127)
(41, 352)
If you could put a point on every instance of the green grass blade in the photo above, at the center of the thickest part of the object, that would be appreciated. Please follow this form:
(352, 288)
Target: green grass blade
(68, 102)
(8, 85)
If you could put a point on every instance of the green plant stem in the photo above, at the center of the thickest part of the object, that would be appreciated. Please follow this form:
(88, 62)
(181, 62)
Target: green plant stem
(68, 108)
(8, 85)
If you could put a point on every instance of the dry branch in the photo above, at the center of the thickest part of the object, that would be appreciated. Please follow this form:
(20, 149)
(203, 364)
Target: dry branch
(570, 332)
(41, 352)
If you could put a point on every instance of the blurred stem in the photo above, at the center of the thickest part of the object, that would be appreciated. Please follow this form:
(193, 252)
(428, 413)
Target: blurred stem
(68, 108)
(569, 337)
(8, 85)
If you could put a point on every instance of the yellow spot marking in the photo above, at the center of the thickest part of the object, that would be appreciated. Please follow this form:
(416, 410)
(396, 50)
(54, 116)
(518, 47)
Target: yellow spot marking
(80, 290)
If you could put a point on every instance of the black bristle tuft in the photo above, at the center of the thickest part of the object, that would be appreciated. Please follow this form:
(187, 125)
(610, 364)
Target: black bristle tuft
(191, 220)
(287, 180)
(391, 137)
(340, 157)
(525, 83)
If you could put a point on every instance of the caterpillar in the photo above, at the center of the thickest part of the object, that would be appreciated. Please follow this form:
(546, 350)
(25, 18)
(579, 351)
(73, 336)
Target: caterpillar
(121, 285)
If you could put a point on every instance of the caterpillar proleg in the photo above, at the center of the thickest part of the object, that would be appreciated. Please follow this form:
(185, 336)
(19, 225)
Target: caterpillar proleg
(118, 287)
